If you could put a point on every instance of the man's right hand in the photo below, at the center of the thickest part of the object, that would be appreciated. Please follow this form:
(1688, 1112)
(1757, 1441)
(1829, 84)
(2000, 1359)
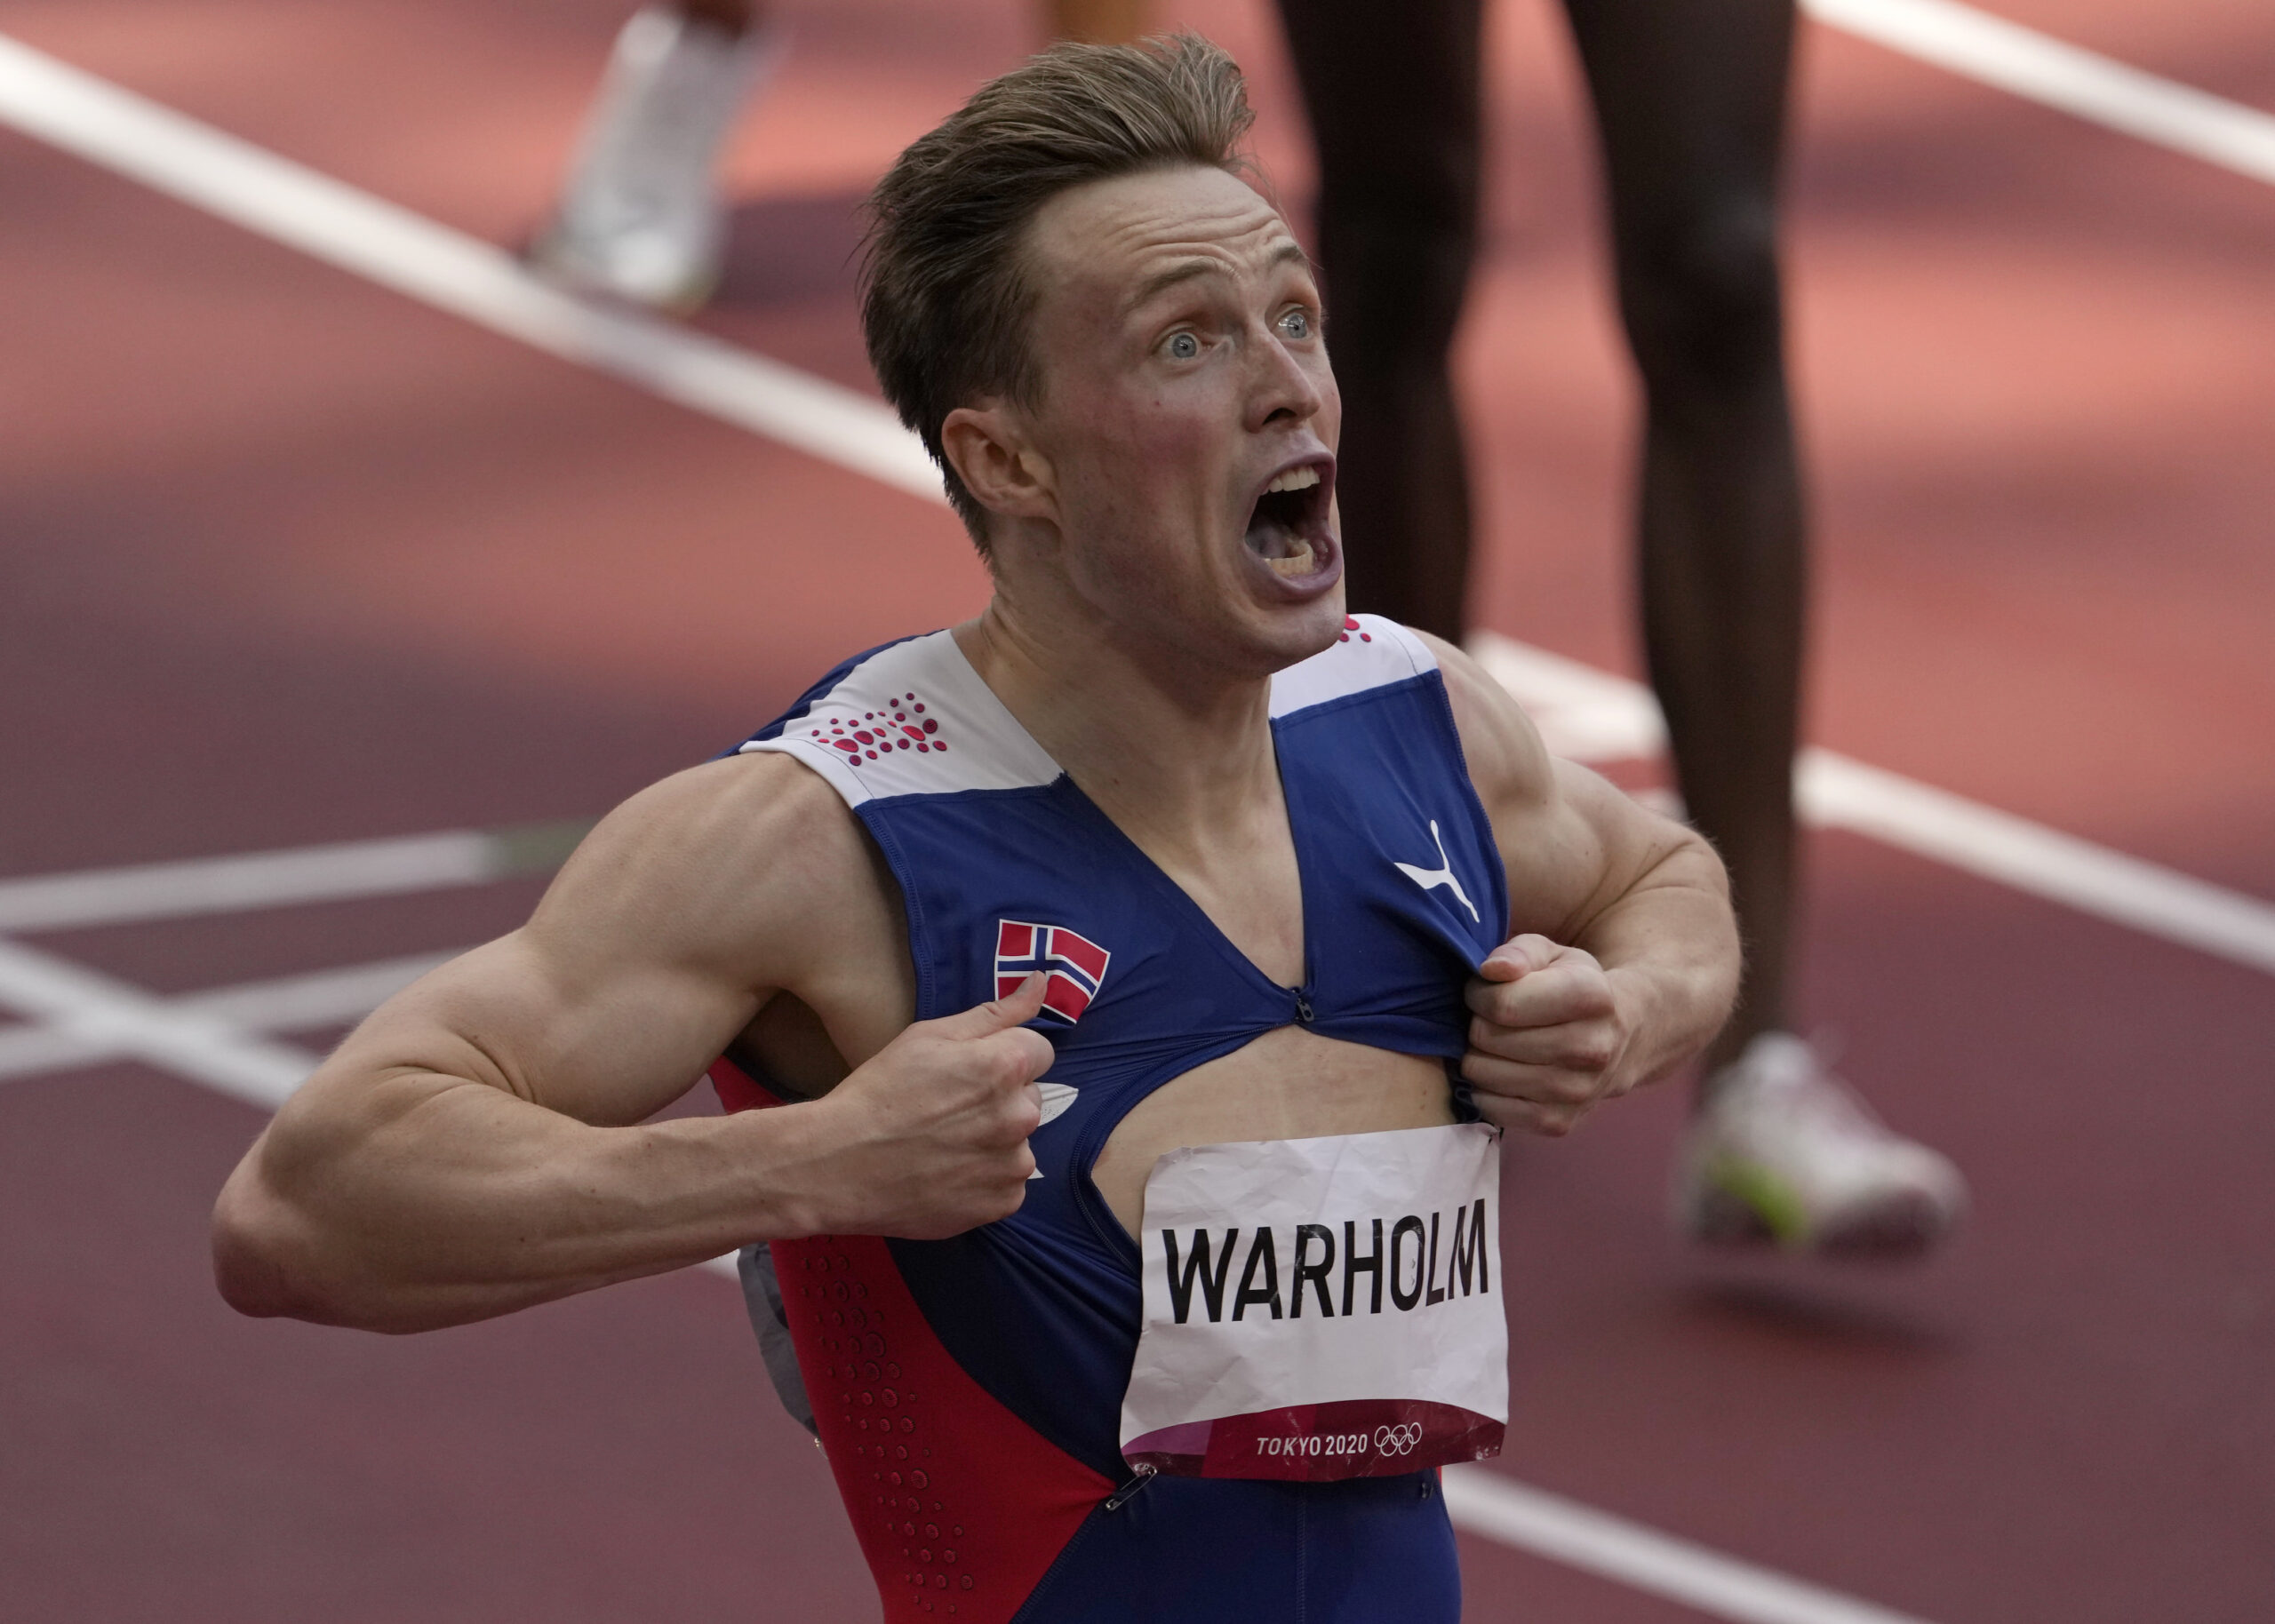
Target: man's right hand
(933, 1131)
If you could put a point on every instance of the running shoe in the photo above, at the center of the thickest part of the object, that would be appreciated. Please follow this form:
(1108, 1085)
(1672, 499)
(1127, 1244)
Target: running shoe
(1784, 1152)
(641, 217)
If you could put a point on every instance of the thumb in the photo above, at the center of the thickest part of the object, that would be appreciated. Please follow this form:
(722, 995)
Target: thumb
(1519, 957)
(998, 1015)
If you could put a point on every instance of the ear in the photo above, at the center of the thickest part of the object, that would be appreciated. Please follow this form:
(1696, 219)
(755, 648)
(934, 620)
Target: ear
(988, 447)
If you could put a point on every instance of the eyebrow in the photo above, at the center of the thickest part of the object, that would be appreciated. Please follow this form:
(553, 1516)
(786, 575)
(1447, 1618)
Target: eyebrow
(1187, 270)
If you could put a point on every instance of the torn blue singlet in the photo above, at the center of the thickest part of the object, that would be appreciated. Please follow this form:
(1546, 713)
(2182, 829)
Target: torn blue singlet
(967, 1390)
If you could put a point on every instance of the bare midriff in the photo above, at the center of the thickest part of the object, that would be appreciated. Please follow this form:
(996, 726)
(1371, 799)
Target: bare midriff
(1289, 1084)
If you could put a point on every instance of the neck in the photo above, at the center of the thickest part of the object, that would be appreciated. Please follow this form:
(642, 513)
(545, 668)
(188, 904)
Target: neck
(1174, 751)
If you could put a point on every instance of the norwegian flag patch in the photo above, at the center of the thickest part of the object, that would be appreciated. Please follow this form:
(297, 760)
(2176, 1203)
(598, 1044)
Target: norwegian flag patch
(1075, 965)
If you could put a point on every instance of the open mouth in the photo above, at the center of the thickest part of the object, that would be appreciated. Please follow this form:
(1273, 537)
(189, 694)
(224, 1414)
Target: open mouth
(1288, 529)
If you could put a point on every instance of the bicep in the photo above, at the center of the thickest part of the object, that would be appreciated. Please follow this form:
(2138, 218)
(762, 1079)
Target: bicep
(605, 1037)
(660, 939)
(1585, 848)
(488, 1068)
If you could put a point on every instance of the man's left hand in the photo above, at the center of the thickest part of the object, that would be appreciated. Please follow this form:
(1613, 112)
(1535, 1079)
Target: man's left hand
(1547, 1037)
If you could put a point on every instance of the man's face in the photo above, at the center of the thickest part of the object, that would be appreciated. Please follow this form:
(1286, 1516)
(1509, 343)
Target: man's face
(1188, 416)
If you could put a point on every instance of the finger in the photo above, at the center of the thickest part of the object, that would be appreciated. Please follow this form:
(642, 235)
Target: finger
(1002, 1120)
(988, 1086)
(1518, 957)
(1527, 1117)
(1011, 1194)
(1024, 1054)
(997, 1015)
(1574, 990)
(1574, 1046)
(1488, 1076)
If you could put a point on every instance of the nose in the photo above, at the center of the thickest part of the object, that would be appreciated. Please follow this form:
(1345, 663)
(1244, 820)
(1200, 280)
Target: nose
(1283, 389)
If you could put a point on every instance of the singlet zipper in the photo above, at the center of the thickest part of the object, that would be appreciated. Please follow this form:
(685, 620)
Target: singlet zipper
(1303, 1007)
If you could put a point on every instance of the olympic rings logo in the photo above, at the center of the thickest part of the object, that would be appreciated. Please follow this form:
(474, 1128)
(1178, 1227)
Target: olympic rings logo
(1398, 1440)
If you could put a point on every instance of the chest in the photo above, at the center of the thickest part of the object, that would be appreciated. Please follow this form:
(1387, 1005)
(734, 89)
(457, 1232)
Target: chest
(1361, 920)
(1358, 912)
(1247, 884)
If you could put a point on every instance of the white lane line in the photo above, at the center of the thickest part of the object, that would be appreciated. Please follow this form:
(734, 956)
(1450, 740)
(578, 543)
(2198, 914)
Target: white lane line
(1485, 1502)
(84, 1014)
(2008, 57)
(1841, 793)
(1590, 715)
(1583, 714)
(27, 1051)
(319, 997)
(343, 226)
(259, 879)
(120, 1019)
(316, 997)
(276, 878)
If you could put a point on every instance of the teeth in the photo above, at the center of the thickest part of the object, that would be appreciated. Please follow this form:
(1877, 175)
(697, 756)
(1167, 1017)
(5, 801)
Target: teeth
(1296, 479)
(1295, 563)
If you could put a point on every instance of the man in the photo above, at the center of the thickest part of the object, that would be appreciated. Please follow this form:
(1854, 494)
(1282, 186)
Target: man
(1689, 99)
(1275, 903)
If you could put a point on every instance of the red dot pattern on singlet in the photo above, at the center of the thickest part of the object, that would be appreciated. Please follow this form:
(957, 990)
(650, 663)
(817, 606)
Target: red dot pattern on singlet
(901, 725)
(886, 1421)
(1349, 627)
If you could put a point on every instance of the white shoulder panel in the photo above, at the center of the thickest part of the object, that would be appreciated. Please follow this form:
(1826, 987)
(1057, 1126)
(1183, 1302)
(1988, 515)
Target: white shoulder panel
(913, 719)
(1371, 652)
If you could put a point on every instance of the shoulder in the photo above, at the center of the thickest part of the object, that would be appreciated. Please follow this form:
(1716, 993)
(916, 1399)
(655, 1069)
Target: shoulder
(752, 865)
(910, 718)
(1508, 763)
(1502, 750)
(1370, 653)
(1573, 842)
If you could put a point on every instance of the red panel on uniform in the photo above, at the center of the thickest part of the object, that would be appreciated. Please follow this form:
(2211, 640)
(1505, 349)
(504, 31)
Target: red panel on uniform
(959, 1506)
(737, 1090)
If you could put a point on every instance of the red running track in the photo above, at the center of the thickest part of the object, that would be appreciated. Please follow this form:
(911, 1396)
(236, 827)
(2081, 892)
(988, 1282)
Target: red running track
(288, 559)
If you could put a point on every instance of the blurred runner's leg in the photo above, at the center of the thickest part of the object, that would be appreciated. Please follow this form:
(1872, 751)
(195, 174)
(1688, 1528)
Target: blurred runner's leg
(639, 216)
(1690, 102)
(1392, 94)
(1689, 98)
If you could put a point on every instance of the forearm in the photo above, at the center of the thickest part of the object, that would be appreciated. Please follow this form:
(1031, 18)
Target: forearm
(1669, 947)
(433, 1202)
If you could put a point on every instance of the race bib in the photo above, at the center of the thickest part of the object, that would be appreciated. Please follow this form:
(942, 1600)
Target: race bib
(1320, 1309)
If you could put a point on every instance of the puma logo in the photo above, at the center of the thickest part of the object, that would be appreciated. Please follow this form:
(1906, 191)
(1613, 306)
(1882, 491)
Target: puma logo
(1430, 878)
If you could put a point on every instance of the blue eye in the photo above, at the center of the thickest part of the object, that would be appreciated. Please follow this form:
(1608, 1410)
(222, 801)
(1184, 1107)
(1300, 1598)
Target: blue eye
(1184, 347)
(1297, 323)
